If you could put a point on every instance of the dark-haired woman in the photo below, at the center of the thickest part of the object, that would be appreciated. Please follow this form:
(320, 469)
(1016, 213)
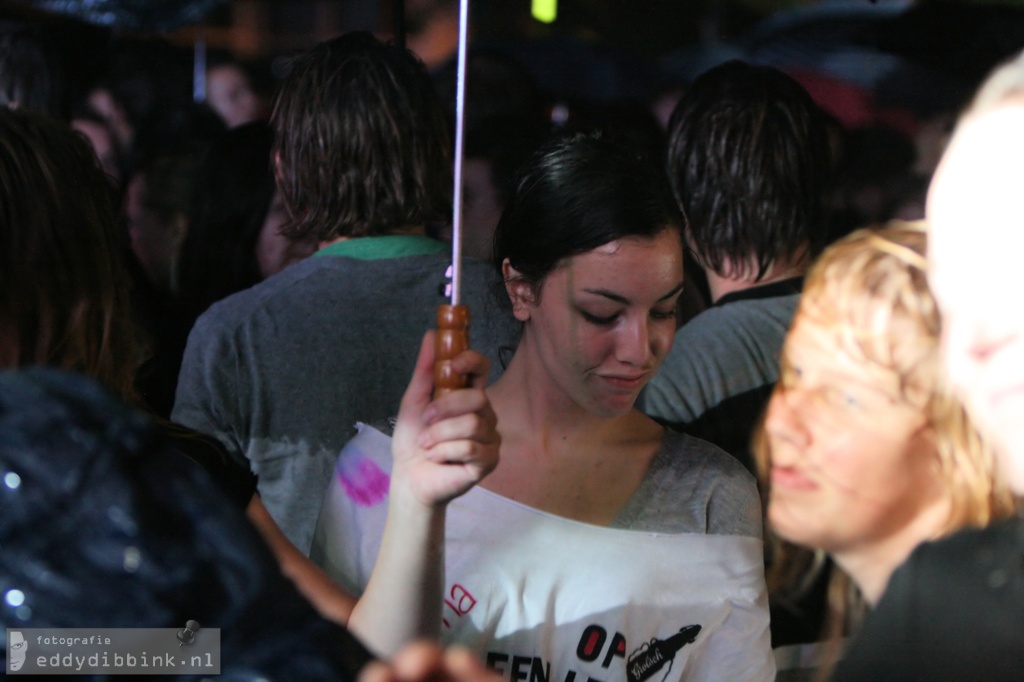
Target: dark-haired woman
(603, 546)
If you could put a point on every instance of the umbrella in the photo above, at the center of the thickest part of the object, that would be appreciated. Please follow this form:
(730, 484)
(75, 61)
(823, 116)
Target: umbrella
(150, 16)
(132, 15)
(904, 55)
(453, 318)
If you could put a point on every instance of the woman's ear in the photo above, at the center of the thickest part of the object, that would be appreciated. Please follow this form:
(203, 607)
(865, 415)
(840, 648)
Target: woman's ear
(520, 291)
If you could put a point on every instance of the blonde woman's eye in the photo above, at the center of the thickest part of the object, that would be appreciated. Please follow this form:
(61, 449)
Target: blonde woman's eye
(846, 399)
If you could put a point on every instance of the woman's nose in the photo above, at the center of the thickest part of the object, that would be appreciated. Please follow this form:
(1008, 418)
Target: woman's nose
(634, 343)
(783, 420)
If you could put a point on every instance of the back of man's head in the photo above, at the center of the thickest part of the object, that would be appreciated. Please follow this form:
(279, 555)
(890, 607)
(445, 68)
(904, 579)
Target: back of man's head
(361, 146)
(749, 164)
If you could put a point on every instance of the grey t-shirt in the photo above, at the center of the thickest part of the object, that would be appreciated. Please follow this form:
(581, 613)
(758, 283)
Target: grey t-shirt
(693, 486)
(281, 373)
(717, 378)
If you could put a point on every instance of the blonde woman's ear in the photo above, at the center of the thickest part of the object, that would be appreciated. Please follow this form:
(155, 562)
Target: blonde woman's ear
(520, 291)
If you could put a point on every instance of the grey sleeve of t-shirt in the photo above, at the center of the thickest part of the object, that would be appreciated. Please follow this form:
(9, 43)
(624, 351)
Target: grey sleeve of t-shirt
(207, 394)
(723, 352)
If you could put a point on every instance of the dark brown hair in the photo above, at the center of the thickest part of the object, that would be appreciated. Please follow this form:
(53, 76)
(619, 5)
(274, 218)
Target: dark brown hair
(749, 164)
(361, 146)
(63, 294)
(578, 192)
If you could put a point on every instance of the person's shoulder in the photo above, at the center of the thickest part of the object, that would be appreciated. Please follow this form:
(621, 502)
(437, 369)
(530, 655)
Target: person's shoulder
(948, 613)
(696, 453)
(240, 302)
(483, 272)
(712, 474)
(240, 306)
(955, 572)
(743, 313)
(968, 551)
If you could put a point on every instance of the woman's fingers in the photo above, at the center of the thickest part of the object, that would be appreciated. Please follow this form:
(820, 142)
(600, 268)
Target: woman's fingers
(474, 426)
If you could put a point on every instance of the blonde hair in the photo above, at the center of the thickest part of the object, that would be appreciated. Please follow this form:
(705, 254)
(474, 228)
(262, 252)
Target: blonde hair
(871, 287)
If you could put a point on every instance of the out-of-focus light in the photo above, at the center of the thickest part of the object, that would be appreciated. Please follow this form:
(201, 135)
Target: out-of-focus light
(544, 10)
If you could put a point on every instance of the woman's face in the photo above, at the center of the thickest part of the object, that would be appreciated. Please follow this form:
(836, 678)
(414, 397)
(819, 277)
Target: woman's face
(603, 321)
(853, 462)
(974, 251)
(156, 243)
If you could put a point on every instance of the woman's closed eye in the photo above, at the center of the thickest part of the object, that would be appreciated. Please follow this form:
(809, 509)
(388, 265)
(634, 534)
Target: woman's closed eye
(669, 314)
(600, 320)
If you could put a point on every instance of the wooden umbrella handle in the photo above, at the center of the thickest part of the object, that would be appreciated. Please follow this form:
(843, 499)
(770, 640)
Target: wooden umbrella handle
(452, 338)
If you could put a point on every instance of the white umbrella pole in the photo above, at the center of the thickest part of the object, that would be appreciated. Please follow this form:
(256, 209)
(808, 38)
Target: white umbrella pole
(453, 319)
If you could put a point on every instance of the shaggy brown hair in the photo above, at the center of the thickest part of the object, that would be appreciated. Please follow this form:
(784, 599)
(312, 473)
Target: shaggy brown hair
(361, 146)
(749, 163)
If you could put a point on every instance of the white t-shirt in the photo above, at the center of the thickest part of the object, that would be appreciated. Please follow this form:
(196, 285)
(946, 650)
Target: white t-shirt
(542, 597)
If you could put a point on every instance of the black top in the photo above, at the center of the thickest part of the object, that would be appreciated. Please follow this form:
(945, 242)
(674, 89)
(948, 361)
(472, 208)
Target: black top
(953, 611)
(227, 473)
(784, 287)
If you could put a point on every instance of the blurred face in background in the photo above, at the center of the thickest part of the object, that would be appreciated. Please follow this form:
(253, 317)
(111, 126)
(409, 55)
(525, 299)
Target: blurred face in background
(230, 94)
(274, 251)
(976, 260)
(110, 110)
(156, 243)
(101, 138)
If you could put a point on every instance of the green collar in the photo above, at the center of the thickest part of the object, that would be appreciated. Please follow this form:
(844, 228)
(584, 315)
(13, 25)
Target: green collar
(385, 246)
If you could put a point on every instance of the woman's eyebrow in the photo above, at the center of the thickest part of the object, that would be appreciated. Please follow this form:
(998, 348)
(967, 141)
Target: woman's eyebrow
(619, 298)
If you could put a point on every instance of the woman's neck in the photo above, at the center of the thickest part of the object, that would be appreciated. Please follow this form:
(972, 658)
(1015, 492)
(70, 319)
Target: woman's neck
(558, 457)
(527, 396)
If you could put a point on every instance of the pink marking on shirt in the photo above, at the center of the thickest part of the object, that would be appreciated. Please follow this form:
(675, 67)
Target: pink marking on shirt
(364, 482)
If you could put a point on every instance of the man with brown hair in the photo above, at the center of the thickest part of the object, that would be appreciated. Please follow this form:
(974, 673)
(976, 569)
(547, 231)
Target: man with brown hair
(748, 160)
(282, 372)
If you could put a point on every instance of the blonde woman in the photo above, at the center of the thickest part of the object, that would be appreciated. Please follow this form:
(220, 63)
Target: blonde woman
(865, 453)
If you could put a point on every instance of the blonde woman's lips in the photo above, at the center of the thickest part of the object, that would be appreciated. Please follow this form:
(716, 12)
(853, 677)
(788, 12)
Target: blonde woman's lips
(791, 478)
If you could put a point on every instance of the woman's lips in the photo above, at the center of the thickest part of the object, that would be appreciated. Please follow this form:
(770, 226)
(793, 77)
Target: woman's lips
(627, 383)
(791, 479)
